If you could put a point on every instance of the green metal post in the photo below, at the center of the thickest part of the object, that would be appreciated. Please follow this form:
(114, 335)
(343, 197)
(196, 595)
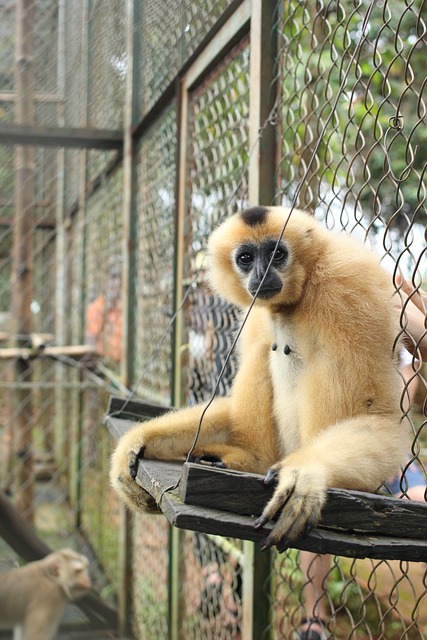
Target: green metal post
(262, 188)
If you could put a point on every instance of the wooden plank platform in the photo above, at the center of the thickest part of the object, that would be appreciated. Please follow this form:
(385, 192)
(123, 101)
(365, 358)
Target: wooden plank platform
(227, 502)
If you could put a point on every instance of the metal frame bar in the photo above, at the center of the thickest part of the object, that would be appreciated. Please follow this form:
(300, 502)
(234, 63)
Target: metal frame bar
(262, 188)
(220, 39)
(83, 138)
(126, 544)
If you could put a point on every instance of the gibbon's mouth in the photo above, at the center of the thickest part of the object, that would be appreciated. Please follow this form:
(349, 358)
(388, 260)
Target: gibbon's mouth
(265, 293)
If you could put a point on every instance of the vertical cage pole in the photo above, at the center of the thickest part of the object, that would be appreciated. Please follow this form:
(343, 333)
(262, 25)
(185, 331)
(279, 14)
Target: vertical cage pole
(133, 8)
(60, 243)
(262, 188)
(176, 536)
(22, 257)
(84, 75)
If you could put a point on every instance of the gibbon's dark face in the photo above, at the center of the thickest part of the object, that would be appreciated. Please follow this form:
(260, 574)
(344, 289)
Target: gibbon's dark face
(252, 260)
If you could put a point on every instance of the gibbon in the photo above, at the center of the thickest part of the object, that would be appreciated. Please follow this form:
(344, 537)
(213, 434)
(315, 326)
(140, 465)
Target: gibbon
(33, 597)
(315, 402)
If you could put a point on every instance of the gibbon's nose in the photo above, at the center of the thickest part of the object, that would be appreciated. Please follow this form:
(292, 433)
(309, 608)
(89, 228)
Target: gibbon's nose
(271, 286)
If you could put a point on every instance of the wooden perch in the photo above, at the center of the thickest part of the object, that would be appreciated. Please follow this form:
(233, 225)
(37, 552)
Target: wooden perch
(77, 352)
(353, 524)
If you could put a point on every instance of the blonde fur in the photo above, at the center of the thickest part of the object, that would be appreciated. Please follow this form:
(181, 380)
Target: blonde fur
(324, 415)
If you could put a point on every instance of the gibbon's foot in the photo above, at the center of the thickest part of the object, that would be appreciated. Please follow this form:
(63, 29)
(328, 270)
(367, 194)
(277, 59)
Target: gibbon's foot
(136, 498)
(296, 504)
(134, 459)
(123, 472)
(215, 461)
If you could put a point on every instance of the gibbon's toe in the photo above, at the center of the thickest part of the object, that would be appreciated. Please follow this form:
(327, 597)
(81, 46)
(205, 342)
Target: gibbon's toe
(213, 460)
(134, 496)
(134, 458)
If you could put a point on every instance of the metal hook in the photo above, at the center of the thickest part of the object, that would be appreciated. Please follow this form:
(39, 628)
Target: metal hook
(396, 124)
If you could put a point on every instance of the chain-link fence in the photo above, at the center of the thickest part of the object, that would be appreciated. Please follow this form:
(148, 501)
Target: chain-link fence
(100, 245)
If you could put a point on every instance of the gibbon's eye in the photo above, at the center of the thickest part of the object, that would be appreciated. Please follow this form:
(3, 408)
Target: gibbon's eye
(278, 256)
(245, 259)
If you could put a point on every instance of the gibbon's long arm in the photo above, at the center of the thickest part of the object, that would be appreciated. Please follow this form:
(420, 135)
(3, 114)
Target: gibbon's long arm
(168, 437)
(236, 431)
(349, 455)
(315, 403)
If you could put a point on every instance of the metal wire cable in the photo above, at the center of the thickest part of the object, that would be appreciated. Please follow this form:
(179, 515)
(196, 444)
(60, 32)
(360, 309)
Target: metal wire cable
(291, 209)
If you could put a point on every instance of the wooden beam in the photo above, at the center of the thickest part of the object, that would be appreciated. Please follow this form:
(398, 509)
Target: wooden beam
(227, 35)
(22, 267)
(10, 96)
(82, 138)
(157, 476)
(76, 352)
(353, 524)
(43, 224)
(137, 409)
(246, 494)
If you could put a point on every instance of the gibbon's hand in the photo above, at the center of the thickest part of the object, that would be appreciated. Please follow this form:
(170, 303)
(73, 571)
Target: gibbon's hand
(297, 503)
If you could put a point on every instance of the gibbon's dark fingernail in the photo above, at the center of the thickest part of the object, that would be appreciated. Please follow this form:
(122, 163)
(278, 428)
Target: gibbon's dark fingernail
(260, 522)
(306, 530)
(283, 545)
(213, 460)
(267, 543)
(271, 476)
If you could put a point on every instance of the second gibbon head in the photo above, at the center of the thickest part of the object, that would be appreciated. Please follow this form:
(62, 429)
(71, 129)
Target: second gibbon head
(241, 248)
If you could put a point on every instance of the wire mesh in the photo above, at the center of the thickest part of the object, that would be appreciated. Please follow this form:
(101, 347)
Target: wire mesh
(103, 270)
(367, 178)
(7, 30)
(154, 261)
(107, 64)
(150, 593)
(218, 134)
(367, 103)
(212, 587)
(180, 26)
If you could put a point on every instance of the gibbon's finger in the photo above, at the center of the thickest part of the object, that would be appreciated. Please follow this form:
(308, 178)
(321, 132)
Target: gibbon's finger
(134, 459)
(269, 542)
(279, 500)
(300, 515)
(260, 522)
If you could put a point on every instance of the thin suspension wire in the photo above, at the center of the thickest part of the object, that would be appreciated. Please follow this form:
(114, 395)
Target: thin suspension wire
(291, 209)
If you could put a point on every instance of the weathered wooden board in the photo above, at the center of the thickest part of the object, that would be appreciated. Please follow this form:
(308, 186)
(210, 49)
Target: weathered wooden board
(246, 494)
(226, 503)
(124, 409)
(77, 352)
(157, 476)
